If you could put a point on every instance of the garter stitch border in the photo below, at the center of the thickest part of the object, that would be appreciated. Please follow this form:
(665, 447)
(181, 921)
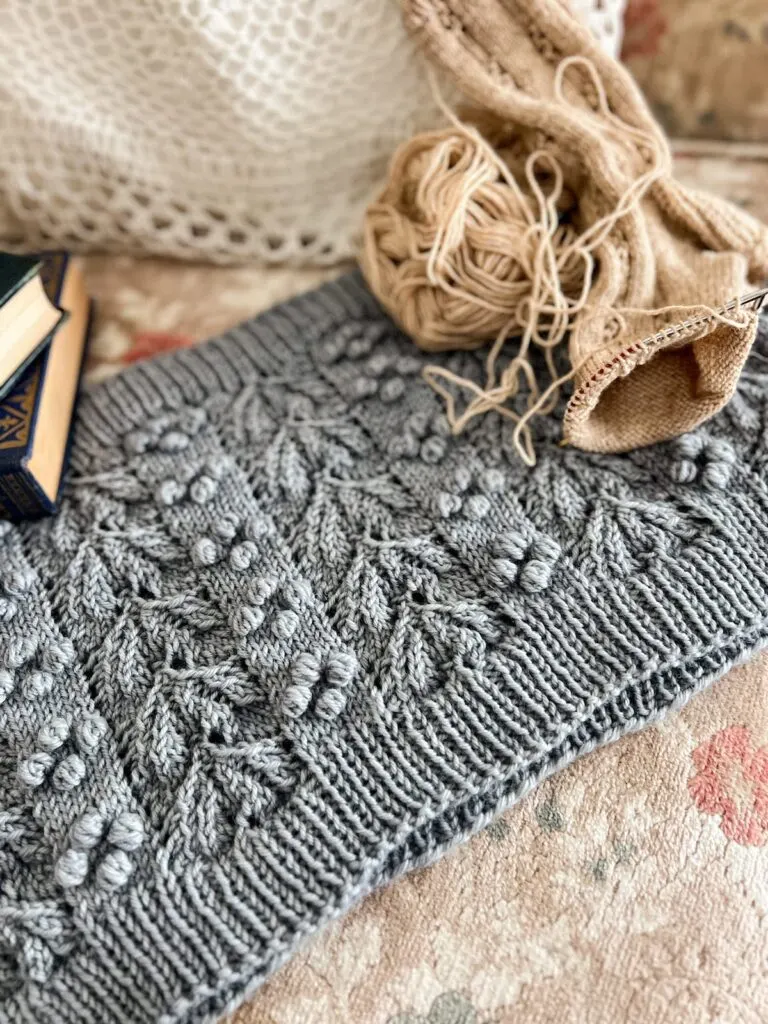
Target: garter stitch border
(287, 638)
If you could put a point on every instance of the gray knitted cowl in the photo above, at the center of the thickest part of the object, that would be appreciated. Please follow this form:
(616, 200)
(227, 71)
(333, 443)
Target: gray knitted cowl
(287, 639)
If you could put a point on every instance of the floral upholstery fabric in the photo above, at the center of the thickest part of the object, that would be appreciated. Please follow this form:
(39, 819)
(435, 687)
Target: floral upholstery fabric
(703, 65)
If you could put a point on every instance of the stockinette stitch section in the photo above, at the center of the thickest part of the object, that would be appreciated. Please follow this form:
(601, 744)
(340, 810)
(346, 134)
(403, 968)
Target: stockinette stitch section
(287, 639)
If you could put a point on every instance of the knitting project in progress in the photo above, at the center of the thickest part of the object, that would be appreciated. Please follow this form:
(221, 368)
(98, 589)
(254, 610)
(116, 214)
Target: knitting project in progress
(554, 220)
(287, 638)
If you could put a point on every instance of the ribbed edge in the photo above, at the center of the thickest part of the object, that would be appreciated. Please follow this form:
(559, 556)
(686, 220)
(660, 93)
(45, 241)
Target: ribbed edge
(203, 938)
(276, 343)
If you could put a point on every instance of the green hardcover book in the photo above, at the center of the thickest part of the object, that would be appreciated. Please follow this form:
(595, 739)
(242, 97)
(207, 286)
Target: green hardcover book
(36, 414)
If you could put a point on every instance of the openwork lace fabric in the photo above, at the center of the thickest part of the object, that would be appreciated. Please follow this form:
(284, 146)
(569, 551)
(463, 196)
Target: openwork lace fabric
(251, 129)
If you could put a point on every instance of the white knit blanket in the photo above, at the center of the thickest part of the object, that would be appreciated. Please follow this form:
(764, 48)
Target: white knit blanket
(229, 129)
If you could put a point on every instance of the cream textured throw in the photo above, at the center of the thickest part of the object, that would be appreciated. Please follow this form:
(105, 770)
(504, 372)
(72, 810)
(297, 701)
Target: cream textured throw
(235, 130)
(230, 130)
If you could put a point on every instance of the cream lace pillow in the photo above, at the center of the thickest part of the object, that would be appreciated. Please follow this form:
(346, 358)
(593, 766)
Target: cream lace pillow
(230, 129)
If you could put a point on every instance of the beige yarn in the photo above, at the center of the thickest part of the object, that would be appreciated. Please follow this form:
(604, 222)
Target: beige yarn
(560, 216)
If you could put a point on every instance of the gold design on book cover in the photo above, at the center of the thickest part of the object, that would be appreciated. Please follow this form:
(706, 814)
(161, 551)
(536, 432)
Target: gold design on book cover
(16, 413)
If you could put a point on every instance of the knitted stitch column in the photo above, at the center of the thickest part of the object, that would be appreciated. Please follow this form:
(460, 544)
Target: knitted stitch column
(287, 639)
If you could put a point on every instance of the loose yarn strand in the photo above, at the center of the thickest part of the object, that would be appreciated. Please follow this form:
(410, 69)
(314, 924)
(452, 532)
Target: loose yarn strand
(466, 249)
(546, 313)
(486, 400)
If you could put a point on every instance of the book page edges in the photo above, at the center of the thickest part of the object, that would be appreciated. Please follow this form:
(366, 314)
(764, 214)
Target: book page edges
(60, 386)
(34, 320)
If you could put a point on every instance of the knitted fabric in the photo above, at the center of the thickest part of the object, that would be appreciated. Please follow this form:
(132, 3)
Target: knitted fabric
(252, 128)
(562, 225)
(286, 639)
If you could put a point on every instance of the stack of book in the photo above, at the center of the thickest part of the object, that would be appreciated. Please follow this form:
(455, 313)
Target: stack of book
(44, 321)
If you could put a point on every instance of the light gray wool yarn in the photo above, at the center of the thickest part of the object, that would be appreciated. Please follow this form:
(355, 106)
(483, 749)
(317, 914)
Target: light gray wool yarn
(287, 638)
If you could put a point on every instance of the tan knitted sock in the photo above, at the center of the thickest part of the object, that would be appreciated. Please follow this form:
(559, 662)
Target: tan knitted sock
(674, 247)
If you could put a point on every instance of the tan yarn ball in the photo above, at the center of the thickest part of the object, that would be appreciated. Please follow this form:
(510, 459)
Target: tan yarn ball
(453, 244)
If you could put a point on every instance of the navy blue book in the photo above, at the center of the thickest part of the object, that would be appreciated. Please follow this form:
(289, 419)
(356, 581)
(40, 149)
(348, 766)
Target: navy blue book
(36, 414)
(27, 316)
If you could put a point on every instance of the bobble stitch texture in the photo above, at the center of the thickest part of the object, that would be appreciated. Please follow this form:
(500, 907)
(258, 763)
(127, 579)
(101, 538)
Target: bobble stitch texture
(69, 773)
(470, 494)
(305, 673)
(7, 684)
(296, 700)
(171, 433)
(19, 651)
(335, 672)
(341, 668)
(331, 703)
(241, 556)
(530, 565)
(263, 776)
(71, 869)
(284, 618)
(127, 832)
(284, 624)
(53, 734)
(38, 683)
(699, 458)
(198, 485)
(34, 769)
(246, 620)
(90, 731)
(235, 541)
(383, 375)
(174, 441)
(56, 657)
(114, 870)
(124, 835)
(19, 582)
(304, 676)
(204, 552)
(88, 830)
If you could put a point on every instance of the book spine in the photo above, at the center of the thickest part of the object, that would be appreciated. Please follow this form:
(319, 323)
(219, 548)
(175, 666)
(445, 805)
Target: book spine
(53, 270)
(20, 498)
